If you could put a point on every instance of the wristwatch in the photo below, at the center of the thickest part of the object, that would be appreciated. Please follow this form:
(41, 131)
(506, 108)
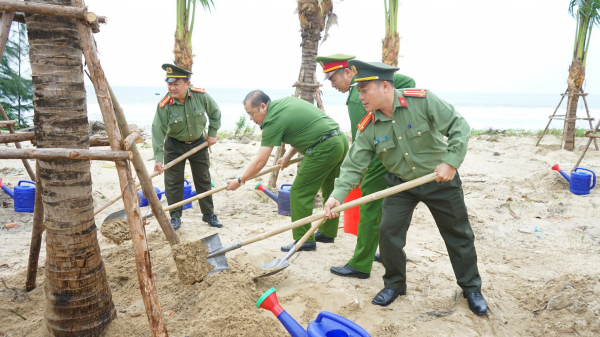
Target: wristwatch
(240, 181)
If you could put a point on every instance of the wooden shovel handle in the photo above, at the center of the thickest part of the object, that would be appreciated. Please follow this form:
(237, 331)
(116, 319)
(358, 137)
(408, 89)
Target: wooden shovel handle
(371, 197)
(219, 189)
(155, 173)
(310, 232)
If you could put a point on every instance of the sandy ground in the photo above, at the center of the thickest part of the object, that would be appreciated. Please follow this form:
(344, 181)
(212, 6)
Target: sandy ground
(538, 248)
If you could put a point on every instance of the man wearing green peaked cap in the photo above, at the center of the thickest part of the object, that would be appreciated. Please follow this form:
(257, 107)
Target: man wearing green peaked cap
(178, 127)
(338, 71)
(405, 129)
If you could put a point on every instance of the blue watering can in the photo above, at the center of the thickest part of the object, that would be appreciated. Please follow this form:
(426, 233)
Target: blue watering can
(326, 324)
(282, 198)
(143, 201)
(579, 182)
(24, 196)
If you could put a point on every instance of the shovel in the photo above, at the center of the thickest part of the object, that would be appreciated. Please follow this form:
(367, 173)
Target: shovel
(280, 264)
(122, 214)
(371, 197)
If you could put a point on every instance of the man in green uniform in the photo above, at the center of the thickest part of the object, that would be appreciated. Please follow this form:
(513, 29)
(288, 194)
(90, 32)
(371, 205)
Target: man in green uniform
(337, 71)
(178, 127)
(405, 129)
(313, 134)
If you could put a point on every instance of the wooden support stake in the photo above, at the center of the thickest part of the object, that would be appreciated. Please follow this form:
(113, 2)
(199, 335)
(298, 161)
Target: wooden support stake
(42, 8)
(18, 146)
(5, 23)
(275, 174)
(65, 154)
(20, 18)
(138, 233)
(550, 120)
(30, 136)
(592, 136)
(144, 178)
(4, 124)
(36, 234)
(131, 139)
(588, 114)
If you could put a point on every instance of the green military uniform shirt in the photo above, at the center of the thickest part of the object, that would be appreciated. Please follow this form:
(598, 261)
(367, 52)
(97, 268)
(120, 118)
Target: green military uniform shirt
(355, 108)
(296, 122)
(184, 122)
(411, 144)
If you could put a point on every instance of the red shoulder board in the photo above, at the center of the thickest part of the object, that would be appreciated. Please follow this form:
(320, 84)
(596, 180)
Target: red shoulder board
(402, 101)
(365, 121)
(415, 92)
(164, 101)
(197, 89)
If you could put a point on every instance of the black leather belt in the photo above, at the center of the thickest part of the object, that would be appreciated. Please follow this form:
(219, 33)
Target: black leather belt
(188, 143)
(333, 134)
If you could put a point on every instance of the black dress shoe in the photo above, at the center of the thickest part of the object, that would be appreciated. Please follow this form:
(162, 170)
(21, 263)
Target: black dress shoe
(386, 296)
(176, 223)
(377, 258)
(307, 246)
(212, 220)
(348, 271)
(320, 237)
(476, 302)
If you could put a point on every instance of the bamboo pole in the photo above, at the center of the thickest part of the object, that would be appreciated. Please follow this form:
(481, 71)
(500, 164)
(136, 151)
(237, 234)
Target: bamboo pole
(155, 173)
(36, 234)
(138, 233)
(43, 9)
(145, 179)
(65, 154)
(30, 136)
(368, 198)
(131, 139)
(18, 146)
(5, 23)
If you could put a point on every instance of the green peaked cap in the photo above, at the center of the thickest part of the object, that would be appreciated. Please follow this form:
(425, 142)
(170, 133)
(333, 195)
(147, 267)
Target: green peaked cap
(174, 72)
(333, 62)
(370, 71)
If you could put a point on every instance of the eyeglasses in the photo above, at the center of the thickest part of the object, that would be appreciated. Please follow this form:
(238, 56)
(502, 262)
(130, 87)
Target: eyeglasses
(253, 111)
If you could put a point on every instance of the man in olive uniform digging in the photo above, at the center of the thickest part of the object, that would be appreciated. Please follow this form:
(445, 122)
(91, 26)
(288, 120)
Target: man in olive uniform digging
(313, 134)
(341, 76)
(178, 127)
(405, 129)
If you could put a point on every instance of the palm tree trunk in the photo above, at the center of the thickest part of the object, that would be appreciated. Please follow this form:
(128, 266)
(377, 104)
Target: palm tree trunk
(575, 81)
(78, 300)
(183, 52)
(391, 48)
(310, 47)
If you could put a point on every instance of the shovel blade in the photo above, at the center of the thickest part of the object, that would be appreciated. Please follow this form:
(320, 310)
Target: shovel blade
(274, 267)
(213, 242)
(117, 214)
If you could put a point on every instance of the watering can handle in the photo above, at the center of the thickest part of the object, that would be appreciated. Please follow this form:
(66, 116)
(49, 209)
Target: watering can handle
(336, 318)
(282, 186)
(31, 182)
(590, 171)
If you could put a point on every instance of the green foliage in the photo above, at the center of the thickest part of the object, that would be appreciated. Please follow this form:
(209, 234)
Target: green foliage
(185, 19)
(242, 129)
(521, 132)
(587, 14)
(391, 16)
(16, 91)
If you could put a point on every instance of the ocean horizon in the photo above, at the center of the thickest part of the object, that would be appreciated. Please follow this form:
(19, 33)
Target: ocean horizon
(482, 111)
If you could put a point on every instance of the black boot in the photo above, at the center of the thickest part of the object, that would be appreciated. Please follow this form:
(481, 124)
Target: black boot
(348, 271)
(377, 258)
(320, 237)
(476, 302)
(176, 223)
(212, 220)
(307, 246)
(386, 296)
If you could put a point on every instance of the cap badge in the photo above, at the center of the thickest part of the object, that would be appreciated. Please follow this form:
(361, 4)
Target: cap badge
(169, 70)
(354, 70)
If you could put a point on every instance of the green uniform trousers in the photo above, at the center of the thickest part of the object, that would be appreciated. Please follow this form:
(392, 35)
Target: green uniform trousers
(370, 215)
(199, 163)
(446, 202)
(318, 170)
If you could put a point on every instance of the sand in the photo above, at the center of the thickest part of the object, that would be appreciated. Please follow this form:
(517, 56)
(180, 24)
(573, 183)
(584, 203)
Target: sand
(537, 283)
(116, 230)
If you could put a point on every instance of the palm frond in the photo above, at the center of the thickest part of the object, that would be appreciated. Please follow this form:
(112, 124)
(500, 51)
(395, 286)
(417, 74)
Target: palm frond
(331, 20)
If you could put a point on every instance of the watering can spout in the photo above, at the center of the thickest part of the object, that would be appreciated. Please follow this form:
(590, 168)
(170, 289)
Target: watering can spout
(7, 190)
(562, 173)
(271, 195)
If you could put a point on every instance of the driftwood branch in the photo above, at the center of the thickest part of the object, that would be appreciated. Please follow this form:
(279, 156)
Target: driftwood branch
(138, 233)
(65, 154)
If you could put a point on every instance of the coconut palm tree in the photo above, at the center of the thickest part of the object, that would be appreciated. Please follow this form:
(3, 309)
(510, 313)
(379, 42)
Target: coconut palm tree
(391, 43)
(315, 17)
(186, 12)
(78, 300)
(587, 14)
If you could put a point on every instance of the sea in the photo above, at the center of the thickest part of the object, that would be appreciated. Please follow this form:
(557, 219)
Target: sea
(482, 111)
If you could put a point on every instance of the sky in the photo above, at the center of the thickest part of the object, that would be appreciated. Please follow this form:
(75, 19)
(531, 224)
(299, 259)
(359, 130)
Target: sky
(474, 46)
